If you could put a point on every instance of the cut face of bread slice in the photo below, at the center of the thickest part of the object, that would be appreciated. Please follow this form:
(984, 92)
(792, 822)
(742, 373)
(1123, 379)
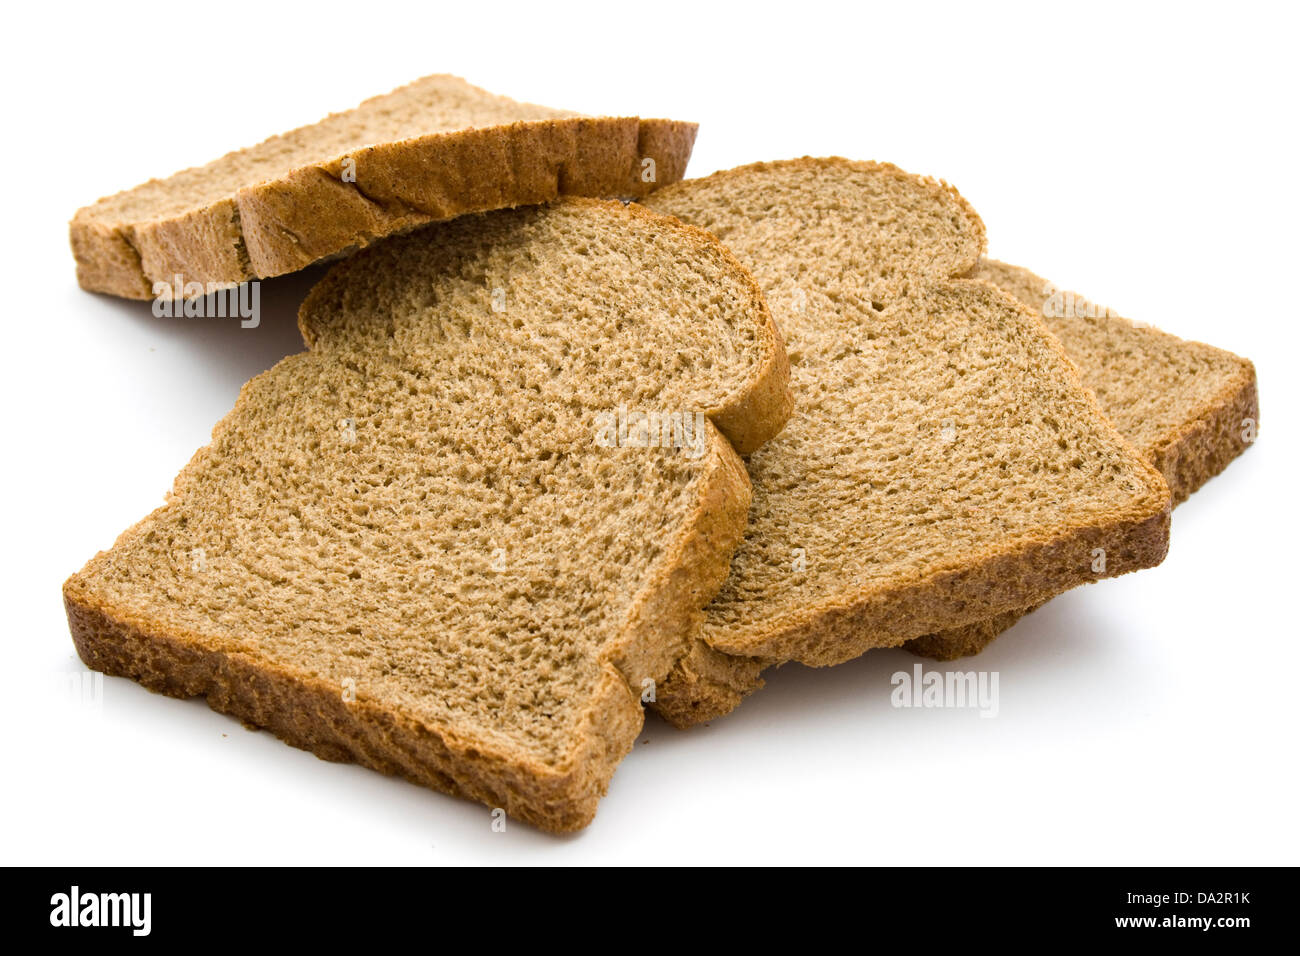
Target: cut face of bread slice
(944, 463)
(449, 541)
(429, 151)
(1189, 408)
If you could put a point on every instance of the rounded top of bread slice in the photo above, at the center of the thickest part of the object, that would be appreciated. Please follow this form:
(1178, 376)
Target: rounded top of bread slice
(909, 226)
(578, 269)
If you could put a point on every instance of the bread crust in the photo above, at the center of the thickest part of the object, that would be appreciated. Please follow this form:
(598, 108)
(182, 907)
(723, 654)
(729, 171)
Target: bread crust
(707, 684)
(835, 633)
(311, 213)
(1208, 443)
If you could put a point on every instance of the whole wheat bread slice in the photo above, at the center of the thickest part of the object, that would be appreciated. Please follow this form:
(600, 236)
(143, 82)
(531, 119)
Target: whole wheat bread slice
(1189, 408)
(428, 151)
(434, 543)
(944, 462)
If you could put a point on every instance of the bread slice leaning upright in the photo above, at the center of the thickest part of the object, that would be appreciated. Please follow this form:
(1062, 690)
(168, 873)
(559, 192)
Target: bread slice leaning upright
(431, 150)
(1188, 407)
(944, 463)
(461, 536)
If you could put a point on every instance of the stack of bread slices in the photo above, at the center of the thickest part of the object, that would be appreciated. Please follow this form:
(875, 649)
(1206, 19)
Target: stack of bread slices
(573, 436)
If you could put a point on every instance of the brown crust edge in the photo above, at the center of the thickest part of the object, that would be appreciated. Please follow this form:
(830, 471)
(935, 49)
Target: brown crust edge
(310, 213)
(961, 642)
(1009, 581)
(707, 684)
(1205, 446)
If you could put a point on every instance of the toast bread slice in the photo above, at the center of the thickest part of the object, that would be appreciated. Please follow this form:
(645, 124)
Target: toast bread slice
(426, 544)
(944, 461)
(428, 151)
(1188, 407)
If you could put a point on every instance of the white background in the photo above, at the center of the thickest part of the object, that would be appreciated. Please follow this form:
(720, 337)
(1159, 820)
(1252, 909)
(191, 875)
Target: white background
(1143, 155)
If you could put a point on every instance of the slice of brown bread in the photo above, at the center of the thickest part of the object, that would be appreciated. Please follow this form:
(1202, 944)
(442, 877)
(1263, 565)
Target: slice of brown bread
(1182, 404)
(944, 462)
(428, 151)
(1189, 408)
(440, 542)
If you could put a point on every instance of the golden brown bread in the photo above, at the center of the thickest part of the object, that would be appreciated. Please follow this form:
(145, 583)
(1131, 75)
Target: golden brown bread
(428, 151)
(944, 462)
(1188, 407)
(408, 547)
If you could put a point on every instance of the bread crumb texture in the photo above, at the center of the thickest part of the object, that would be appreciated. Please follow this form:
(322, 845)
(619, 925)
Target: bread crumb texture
(1189, 408)
(408, 546)
(944, 463)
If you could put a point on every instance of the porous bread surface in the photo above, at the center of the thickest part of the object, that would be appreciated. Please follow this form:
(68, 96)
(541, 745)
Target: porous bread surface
(1181, 403)
(943, 463)
(434, 104)
(419, 508)
(1184, 405)
(430, 150)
